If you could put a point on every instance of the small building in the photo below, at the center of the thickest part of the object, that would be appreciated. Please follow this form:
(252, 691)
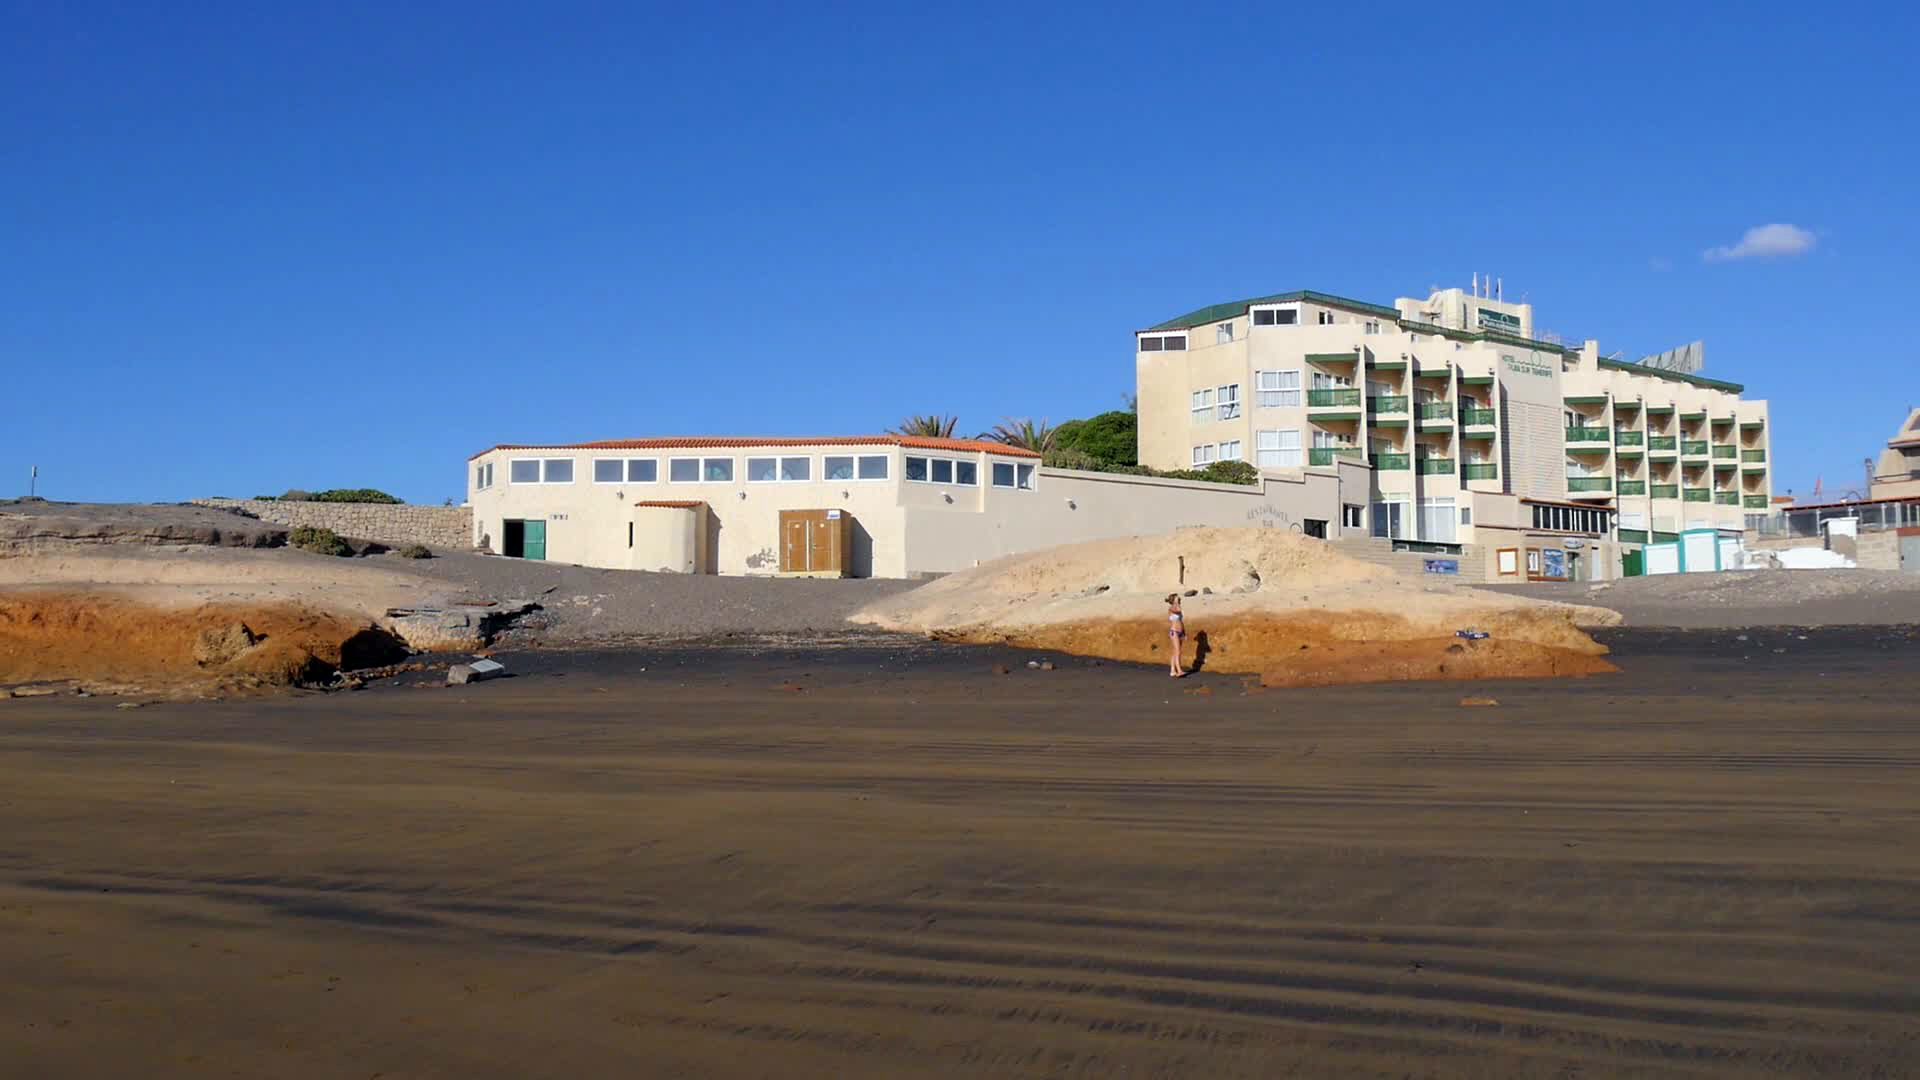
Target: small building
(1897, 474)
(886, 506)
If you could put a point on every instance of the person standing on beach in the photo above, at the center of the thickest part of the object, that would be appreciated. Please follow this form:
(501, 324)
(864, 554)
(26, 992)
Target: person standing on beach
(1176, 633)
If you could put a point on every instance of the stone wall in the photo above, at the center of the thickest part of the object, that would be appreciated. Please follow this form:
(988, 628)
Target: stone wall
(1878, 550)
(441, 528)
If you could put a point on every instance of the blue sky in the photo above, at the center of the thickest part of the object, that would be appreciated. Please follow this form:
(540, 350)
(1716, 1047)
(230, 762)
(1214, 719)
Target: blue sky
(257, 247)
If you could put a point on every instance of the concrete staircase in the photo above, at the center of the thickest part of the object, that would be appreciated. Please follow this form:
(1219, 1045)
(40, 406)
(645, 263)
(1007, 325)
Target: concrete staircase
(1380, 552)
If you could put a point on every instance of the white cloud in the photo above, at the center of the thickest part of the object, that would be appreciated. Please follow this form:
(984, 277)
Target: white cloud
(1763, 242)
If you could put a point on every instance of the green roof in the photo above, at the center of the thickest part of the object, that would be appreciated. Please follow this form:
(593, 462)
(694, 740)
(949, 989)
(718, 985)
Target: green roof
(1234, 309)
(1696, 380)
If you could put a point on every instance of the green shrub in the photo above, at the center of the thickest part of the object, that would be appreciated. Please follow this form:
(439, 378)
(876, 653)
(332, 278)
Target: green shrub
(1058, 458)
(1112, 437)
(1232, 472)
(296, 495)
(355, 495)
(414, 551)
(318, 541)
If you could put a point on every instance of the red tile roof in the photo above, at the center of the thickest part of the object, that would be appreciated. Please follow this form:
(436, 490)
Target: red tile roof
(673, 504)
(735, 442)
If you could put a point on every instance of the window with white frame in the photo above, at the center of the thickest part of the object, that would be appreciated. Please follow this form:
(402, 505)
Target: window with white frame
(837, 467)
(483, 475)
(1324, 381)
(1323, 439)
(1351, 516)
(609, 470)
(716, 470)
(1003, 474)
(1167, 343)
(1203, 454)
(1026, 477)
(643, 471)
(523, 471)
(1230, 401)
(683, 470)
(966, 473)
(916, 469)
(1277, 389)
(1229, 450)
(942, 470)
(1223, 334)
(873, 467)
(1326, 318)
(763, 470)
(1277, 449)
(1371, 327)
(1275, 317)
(795, 470)
(1202, 406)
(540, 471)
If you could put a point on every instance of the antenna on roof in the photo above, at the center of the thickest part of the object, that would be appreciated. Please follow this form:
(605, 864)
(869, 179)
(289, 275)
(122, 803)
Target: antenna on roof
(1476, 283)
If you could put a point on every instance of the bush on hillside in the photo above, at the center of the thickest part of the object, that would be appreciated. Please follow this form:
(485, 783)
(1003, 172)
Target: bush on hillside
(318, 541)
(1231, 472)
(414, 551)
(297, 495)
(355, 495)
(1112, 437)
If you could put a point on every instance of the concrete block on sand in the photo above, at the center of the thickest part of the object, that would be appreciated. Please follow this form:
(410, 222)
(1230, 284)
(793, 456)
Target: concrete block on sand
(1289, 608)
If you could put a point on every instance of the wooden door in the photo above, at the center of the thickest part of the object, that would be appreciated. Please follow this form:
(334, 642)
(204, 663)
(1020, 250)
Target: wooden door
(793, 542)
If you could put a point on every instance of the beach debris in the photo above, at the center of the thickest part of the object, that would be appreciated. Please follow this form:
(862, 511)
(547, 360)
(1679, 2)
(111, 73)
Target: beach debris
(1002, 669)
(1471, 634)
(1478, 701)
(462, 674)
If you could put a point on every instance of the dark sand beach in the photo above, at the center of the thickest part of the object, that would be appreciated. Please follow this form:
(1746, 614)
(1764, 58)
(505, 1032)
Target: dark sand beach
(885, 859)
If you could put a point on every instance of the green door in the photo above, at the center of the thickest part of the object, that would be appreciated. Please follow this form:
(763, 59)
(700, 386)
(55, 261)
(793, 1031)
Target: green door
(1633, 564)
(536, 541)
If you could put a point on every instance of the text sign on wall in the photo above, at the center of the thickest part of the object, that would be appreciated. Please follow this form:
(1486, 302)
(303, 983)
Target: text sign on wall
(1499, 320)
(1526, 365)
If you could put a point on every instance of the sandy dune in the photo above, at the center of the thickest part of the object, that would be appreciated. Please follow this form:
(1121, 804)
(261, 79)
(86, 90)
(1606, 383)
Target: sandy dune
(1287, 607)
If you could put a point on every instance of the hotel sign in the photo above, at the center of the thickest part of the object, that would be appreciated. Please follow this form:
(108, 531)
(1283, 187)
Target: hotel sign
(1526, 365)
(1499, 320)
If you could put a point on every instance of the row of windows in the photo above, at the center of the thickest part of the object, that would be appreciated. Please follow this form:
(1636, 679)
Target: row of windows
(1208, 453)
(1274, 449)
(1571, 519)
(959, 473)
(1169, 343)
(691, 470)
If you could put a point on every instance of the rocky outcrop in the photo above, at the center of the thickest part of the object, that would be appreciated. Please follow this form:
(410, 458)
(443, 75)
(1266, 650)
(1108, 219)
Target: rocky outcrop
(26, 524)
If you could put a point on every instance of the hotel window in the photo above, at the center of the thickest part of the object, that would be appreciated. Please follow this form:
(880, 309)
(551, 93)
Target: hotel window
(609, 470)
(1003, 475)
(642, 471)
(717, 470)
(1170, 343)
(1223, 334)
(762, 470)
(1351, 516)
(556, 471)
(1276, 389)
(1203, 454)
(873, 466)
(1026, 477)
(483, 476)
(1230, 450)
(942, 471)
(966, 473)
(523, 471)
(1230, 401)
(917, 470)
(796, 469)
(1371, 328)
(683, 470)
(1202, 405)
(1276, 449)
(1326, 318)
(1275, 317)
(837, 468)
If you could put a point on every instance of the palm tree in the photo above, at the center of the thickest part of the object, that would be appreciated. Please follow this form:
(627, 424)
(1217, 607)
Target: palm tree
(1027, 433)
(931, 426)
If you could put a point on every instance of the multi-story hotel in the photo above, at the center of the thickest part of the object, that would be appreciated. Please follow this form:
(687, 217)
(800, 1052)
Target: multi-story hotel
(1479, 435)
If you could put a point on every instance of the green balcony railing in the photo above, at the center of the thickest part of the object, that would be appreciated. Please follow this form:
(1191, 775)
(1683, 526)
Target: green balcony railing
(1326, 455)
(1729, 451)
(1754, 502)
(1694, 448)
(1392, 462)
(1662, 442)
(1753, 455)
(1629, 438)
(1589, 483)
(1588, 434)
(1480, 471)
(1433, 410)
(1476, 416)
(1633, 536)
(1334, 397)
(1726, 498)
(1696, 495)
(1388, 403)
(1632, 487)
(1430, 466)
(1664, 491)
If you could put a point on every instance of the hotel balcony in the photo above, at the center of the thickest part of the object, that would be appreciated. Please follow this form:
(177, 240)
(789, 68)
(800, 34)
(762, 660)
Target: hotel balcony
(1754, 502)
(1589, 483)
(1632, 487)
(1753, 455)
(1480, 470)
(1431, 466)
(1327, 455)
(1629, 438)
(1697, 495)
(1476, 417)
(1589, 434)
(1694, 448)
(1392, 462)
(1664, 491)
(1662, 442)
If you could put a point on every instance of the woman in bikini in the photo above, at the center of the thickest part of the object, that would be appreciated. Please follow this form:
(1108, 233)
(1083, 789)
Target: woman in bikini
(1176, 632)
